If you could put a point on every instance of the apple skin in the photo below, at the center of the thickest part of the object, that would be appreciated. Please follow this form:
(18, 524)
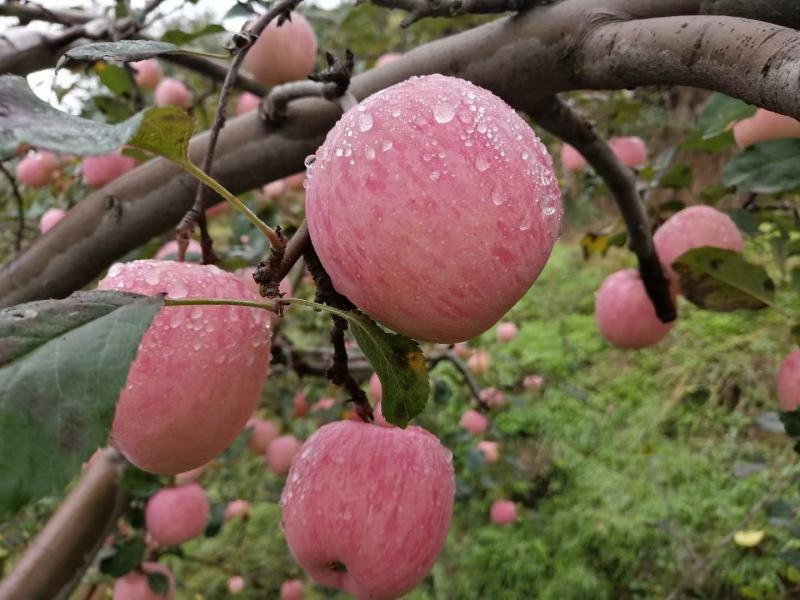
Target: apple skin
(173, 92)
(281, 453)
(571, 159)
(789, 382)
(506, 331)
(492, 397)
(274, 188)
(387, 58)
(37, 169)
(148, 73)
(181, 406)
(301, 408)
(285, 53)
(479, 362)
(102, 169)
(247, 102)
(51, 218)
(375, 388)
(169, 251)
(134, 586)
(237, 509)
(625, 314)
(292, 589)
(236, 584)
(411, 176)
(695, 227)
(490, 451)
(631, 151)
(533, 383)
(366, 509)
(178, 514)
(503, 512)
(763, 126)
(264, 431)
(474, 422)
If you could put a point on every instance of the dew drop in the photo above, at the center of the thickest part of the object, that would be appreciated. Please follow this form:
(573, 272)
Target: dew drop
(386, 145)
(434, 175)
(444, 113)
(310, 160)
(177, 289)
(482, 164)
(549, 211)
(115, 270)
(369, 152)
(526, 221)
(365, 122)
(152, 277)
(497, 195)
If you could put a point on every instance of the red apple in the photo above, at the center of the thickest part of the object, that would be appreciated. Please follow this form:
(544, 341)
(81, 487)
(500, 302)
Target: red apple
(490, 451)
(571, 159)
(134, 585)
(385, 59)
(763, 126)
(631, 151)
(533, 383)
(178, 514)
(375, 388)
(789, 382)
(301, 408)
(236, 584)
(492, 397)
(285, 53)
(148, 73)
(281, 453)
(507, 331)
(503, 512)
(474, 422)
(292, 589)
(37, 169)
(104, 168)
(439, 159)
(263, 432)
(172, 92)
(366, 509)
(169, 251)
(479, 362)
(247, 102)
(237, 509)
(50, 218)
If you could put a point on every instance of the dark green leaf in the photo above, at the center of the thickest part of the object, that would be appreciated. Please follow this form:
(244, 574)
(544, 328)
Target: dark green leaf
(766, 168)
(796, 332)
(122, 558)
(722, 280)
(791, 423)
(400, 366)
(138, 483)
(694, 141)
(720, 112)
(791, 556)
(216, 520)
(63, 365)
(123, 51)
(744, 220)
(165, 130)
(115, 78)
(180, 37)
(158, 583)
(679, 176)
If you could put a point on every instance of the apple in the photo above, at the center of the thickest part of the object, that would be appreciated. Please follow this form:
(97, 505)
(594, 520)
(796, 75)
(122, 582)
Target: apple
(366, 509)
(462, 350)
(37, 169)
(695, 227)
(236, 584)
(323, 404)
(178, 514)
(571, 159)
(296, 181)
(414, 183)
(237, 509)
(198, 374)
(274, 188)
(490, 451)
(50, 218)
(533, 383)
(285, 53)
(172, 92)
(134, 585)
(281, 452)
(503, 512)
(292, 589)
(479, 362)
(148, 73)
(492, 397)
(263, 432)
(190, 475)
(625, 314)
(375, 388)
(247, 102)
(169, 251)
(631, 151)
(385, 59)
(301, 408)
(102, 169)
(764, 125)
(789, 382)
(474, 422)
(507, 331)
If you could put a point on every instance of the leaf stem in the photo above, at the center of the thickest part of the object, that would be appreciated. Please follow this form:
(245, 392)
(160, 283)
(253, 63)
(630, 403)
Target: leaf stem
(268, 306)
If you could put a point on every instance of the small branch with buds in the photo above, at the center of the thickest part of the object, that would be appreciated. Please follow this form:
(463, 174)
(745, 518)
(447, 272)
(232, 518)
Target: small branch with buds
(420, 9)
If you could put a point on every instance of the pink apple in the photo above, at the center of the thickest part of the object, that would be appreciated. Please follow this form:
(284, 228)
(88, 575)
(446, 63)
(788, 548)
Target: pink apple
(533, 383)
(237, 509)
(148, 73)
(571, 159)
(236, 584)
(285, 53)
(375, 388)
(169, 251)
(172, 92)
(764, 125)
(490, 451)
(301, 408)
(695, 227)
(190, 475)
(292, 589)
(281, 453)
(366, 509)
(377, 413)
(625, 314)
(104, 168)
(503, 512)
(631, 151)
(50, 218)
(474, 422)
(789, 382)
(440, 159)
(295, 182)
(263, 432)
(323, 404)
(178, 514)
(479, 362)
(507, 331)
(462, 350)
(134, 585)
(181, 405)
(247, 102)
(274, 188)
(385, 59)
(492, 397)
(37, 170)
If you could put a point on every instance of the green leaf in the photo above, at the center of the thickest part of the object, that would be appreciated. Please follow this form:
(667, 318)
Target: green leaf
(400, 366)
(216, 520)
(139, 483)
(180, 37)
(679, 176)
(766, 168)
(158, 583)
(114, 78)
(123, 51)
(722, 280)
(122, 558)
(165, 130)
(720, 112)
(791, 556)
(744, 220)
(62, 366)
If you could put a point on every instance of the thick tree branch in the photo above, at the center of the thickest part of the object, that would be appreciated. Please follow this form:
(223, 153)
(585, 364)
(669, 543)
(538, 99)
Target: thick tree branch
(29, 11)
(20, 207)
(420, 9)
(55, 560)
(557, 118)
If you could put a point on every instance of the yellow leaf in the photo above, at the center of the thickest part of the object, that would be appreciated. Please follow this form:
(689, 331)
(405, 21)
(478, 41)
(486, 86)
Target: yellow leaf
(748, 539)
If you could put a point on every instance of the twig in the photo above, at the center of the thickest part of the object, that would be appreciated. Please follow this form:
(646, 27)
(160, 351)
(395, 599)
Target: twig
(451, 357)
(562, 121)
(419, 9)
(20, 207)
(294, 250)
(35, 12)
(151, 6)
